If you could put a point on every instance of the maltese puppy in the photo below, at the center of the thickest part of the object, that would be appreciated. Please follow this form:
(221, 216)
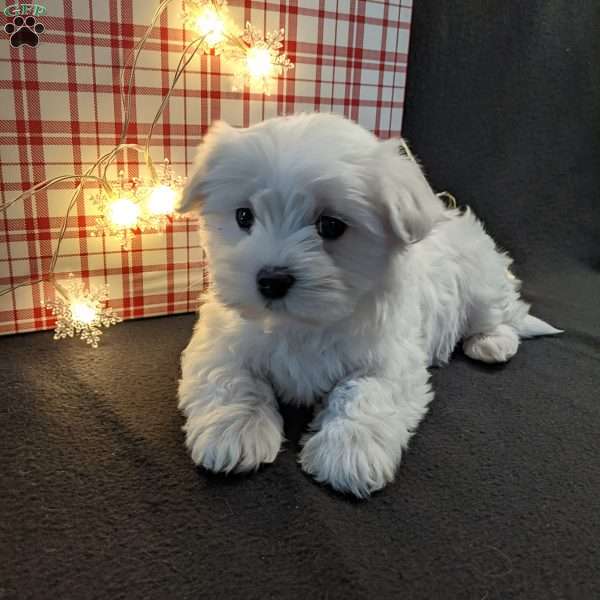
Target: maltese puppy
(338, 278)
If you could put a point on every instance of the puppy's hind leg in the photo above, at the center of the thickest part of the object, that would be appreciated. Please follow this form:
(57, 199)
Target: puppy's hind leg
(497, 346)
(496, 314)
(494, 308)
(500, 343)
(496, 318)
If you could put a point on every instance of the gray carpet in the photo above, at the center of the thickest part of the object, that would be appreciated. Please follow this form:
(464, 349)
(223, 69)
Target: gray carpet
(497, 497)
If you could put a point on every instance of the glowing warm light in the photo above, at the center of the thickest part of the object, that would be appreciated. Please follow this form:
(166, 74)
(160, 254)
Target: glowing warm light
(258, 60)
(162, 200)
(210, 24)
(123, 213)
(259, 63)
(131, 206)
(83, 312)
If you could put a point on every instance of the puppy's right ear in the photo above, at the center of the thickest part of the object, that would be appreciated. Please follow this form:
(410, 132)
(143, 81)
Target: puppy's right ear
(211, 147)
(412, 206)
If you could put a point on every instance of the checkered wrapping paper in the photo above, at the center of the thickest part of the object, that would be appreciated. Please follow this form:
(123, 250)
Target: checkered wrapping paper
(60, 108)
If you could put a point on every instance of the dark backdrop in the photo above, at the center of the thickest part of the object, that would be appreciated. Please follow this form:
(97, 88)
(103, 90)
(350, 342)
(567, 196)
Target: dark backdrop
(503, 109)
(498, 496)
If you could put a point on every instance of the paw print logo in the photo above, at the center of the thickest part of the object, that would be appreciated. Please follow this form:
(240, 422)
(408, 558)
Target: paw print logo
(24, 32)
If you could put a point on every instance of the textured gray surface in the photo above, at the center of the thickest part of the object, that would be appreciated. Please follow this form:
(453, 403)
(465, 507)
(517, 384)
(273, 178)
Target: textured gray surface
(498, 496)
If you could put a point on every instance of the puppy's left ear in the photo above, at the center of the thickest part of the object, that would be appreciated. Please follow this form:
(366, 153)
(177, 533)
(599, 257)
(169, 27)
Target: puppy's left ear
(412, 206)
(210, 153)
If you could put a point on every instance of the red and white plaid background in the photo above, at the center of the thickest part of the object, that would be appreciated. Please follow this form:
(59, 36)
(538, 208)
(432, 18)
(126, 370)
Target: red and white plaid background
(60, 109)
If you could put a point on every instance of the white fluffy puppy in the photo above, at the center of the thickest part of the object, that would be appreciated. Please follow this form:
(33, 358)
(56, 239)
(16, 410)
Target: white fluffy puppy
(337, 276)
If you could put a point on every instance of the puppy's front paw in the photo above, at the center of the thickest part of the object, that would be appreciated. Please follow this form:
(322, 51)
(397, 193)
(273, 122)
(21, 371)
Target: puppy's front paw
(348, 455)
(234, 437)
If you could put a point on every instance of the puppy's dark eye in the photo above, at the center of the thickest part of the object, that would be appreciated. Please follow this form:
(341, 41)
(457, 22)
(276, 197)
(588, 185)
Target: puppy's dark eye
(330, 228)
(244, 218)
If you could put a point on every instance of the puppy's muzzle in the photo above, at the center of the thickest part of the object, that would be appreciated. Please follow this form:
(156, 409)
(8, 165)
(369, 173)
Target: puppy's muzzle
(274, 282)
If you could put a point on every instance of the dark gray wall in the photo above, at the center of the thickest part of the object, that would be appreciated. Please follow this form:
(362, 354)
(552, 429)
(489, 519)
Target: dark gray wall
(503, 109)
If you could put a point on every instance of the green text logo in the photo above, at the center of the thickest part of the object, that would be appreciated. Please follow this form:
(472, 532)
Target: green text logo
(37, 10)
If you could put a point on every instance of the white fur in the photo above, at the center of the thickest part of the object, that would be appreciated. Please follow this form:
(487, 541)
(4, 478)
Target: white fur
(367, 316)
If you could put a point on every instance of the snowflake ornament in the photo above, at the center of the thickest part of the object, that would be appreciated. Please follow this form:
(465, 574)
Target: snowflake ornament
(210, 20)
(161, 197)
(138, 205)
(80, 311)
(258, 60)
(122, 212)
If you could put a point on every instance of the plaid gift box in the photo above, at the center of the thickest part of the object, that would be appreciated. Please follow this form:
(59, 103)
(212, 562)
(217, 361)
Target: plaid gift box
(61, 109)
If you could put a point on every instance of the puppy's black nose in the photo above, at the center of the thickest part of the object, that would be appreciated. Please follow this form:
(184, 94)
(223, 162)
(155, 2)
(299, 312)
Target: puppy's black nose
(274, 282)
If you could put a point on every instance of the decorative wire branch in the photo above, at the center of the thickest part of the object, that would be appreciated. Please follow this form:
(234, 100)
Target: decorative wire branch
(134, 56)
(46, 184)
(178, 73)
(40, 187)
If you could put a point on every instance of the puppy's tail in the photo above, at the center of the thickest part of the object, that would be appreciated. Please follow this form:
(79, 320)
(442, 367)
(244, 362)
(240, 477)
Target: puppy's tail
(531, 326)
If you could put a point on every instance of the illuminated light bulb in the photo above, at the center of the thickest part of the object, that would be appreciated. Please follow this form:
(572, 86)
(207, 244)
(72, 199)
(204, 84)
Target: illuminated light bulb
(259, 63)
(162, 200)
(258, 60)
(83, 312)
(209, 23)
(123, 213)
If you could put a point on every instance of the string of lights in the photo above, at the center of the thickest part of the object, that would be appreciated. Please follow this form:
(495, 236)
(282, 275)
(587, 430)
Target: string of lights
(129, 205)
